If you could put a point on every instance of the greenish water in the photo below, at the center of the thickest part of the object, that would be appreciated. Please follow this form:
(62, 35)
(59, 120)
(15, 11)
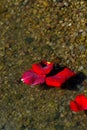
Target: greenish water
(29, 32)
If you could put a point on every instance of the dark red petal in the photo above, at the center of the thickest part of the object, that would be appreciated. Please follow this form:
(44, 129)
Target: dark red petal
(73, 106)
(82, 101)
(39, 69)
(59, 78)
(31, 78)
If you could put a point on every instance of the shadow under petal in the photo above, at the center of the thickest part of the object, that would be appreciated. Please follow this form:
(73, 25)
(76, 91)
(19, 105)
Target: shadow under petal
(75, 82)
(85, 112)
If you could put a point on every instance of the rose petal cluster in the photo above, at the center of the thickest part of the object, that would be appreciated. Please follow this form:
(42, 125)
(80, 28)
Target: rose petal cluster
(38, 74)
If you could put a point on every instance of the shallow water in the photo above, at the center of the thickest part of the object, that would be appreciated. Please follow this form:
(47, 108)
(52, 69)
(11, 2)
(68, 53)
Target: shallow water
(29, 32)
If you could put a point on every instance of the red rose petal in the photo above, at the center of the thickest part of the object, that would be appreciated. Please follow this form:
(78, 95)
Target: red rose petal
(40, 69)
(82, 101)
(79, 104)
(59, 78)
(73, 106)
(31, 78)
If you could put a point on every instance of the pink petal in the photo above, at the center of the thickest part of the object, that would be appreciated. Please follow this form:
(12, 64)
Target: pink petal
(31, 78)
